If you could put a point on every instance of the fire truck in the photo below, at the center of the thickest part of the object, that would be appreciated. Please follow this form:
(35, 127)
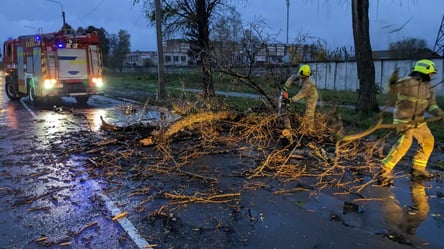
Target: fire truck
(45, 65)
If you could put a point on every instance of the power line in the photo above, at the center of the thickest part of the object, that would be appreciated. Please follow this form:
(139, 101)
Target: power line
(95, 8)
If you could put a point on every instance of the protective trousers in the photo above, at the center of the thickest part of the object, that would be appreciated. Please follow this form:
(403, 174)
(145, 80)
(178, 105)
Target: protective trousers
(309, 116)
(426, 141)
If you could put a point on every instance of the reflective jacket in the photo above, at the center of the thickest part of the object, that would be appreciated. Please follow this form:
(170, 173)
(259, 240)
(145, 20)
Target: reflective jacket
(308, 89)
(413, 98)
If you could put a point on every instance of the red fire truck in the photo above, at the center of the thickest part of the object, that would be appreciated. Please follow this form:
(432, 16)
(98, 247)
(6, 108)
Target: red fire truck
(48, 65)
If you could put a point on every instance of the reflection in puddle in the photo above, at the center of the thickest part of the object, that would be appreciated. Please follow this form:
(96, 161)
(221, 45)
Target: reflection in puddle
(409, 218)
(11, 113)
(53, 122)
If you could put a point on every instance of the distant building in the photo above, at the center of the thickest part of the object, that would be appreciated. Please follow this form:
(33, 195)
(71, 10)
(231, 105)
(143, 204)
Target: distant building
(176, 52)
(140, 59)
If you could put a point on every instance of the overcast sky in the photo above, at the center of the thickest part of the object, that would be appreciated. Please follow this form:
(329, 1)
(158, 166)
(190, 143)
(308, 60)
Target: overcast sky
(329, 20)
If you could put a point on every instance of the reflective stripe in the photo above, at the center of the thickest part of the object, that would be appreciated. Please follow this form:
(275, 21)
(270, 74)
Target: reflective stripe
(403, 121)
(413, 99)
(400, 121)
(419, 163)
(388, 164)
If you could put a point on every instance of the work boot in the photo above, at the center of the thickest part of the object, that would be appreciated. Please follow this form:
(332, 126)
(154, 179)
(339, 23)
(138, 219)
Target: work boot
(384, 178)
(421, 175)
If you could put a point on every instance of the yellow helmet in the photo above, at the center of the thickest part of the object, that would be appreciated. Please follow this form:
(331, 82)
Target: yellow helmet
(305, 70)
(425, 67)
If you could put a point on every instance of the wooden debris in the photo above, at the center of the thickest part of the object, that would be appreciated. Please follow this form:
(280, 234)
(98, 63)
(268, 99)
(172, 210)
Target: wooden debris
(41, 239)
(187, 122)
(120, 216)
(65, 243)
(286, 191)
(106, 126)
(94, 223)
(199, 198)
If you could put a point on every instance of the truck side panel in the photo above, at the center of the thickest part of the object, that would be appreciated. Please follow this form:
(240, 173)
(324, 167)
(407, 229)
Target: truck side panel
(21, 69)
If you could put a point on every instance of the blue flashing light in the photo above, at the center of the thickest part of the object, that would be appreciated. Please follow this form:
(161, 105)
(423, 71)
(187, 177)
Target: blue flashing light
(60, 44)
(38, 38)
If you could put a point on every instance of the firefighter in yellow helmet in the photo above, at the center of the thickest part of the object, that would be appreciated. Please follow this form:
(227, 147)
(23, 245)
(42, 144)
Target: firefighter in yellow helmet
(308, 92)
(414, 96)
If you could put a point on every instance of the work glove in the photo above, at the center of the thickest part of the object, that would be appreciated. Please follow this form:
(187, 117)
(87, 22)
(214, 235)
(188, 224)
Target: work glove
(285, 101)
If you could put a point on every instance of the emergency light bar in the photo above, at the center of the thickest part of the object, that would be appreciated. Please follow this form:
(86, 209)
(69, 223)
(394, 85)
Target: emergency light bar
(60, 44)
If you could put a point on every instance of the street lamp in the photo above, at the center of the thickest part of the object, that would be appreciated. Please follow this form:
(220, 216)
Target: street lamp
(288, 14)
(63, 12)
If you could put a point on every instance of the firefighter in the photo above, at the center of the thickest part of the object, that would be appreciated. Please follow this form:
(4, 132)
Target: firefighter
(308, 92)
(414, 96)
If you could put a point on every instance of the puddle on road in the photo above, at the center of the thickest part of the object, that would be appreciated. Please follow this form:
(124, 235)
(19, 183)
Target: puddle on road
(406, 210)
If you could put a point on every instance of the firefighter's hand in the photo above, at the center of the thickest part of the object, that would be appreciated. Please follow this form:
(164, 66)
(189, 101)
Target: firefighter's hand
(285, 101)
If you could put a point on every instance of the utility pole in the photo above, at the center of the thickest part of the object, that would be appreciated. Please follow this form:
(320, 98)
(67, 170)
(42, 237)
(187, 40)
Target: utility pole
(63, 12)
(160, 63)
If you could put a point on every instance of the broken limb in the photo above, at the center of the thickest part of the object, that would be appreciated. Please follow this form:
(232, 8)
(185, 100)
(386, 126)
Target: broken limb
(380, 125)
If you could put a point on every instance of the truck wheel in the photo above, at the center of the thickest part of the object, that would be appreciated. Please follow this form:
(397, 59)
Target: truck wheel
(82, 100)
(11, 90)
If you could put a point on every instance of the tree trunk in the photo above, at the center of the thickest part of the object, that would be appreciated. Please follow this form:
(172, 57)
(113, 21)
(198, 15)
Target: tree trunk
(160, 64)
(203, 42)
(366, 68)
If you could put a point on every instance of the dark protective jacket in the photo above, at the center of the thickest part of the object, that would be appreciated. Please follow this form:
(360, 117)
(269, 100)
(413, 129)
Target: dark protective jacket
(414, 97)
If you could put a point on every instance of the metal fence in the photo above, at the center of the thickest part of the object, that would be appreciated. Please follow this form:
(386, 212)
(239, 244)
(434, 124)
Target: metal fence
(343, 75)
(335, 75)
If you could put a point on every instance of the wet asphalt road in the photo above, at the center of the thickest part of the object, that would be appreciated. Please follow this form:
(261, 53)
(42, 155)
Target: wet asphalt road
(46, 199)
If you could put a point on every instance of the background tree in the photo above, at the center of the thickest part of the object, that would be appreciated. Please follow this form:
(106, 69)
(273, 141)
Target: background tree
(103, 37)
(192, 19)
(409, 48)
(236, 48)
(119, 47)
(366, 68)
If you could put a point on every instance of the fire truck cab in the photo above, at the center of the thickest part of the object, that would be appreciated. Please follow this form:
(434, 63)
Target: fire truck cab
(56, 64)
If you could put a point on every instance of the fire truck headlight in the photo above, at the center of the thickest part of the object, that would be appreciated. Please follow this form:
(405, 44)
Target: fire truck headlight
(49, 83)
(98, 82)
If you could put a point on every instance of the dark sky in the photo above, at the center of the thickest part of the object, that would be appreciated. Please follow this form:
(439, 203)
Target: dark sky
(328, 20)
